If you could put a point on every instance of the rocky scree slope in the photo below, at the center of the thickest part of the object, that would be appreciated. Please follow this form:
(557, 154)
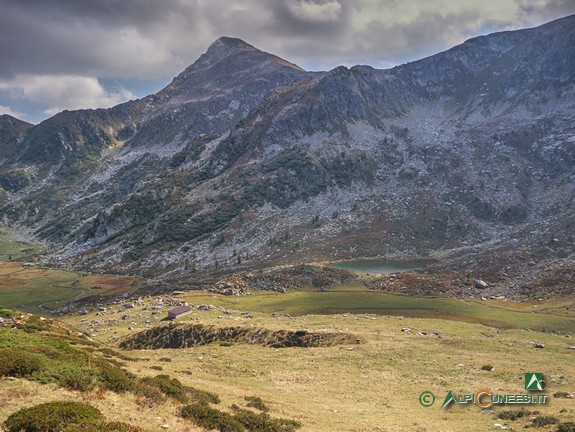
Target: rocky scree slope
(246, 159)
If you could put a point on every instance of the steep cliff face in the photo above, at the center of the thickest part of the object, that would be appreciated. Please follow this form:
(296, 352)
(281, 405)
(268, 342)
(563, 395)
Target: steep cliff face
(246, 159)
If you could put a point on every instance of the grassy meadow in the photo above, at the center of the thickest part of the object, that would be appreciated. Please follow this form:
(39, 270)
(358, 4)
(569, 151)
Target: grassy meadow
(409, 345)
(373, 386)
(15, 250)
(39, 289)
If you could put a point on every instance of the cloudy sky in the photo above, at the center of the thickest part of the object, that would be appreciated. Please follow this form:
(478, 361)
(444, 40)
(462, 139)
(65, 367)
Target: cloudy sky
(71, 54)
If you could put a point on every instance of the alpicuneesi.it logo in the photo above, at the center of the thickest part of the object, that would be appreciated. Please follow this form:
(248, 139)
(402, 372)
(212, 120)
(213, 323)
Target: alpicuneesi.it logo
(534, 382)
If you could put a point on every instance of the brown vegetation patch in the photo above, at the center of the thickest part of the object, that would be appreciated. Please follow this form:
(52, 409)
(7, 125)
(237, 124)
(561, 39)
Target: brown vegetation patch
(191, 335)
(415, 283)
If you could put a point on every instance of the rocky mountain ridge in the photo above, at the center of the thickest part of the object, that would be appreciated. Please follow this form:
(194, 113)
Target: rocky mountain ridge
(246, 159)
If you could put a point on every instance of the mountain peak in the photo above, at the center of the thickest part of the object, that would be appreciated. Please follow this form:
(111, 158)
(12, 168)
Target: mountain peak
(227, 45)
(231, 42)
(229, 63)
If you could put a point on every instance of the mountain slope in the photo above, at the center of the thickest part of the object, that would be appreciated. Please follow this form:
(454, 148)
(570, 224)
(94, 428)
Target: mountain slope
(246, 159)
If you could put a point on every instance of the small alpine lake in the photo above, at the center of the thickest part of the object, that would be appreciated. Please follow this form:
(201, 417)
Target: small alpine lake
(380, 265)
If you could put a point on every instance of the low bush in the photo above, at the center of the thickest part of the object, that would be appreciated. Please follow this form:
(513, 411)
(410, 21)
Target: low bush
(6, 313)
(210, 418)
(510, 415)
(262, 422)
(116, 379)
(36, 323)
(566, 427)
(18, 363)
(51, 417)
(103, 427)
(202, 396)
(171, 387)
(152, 395)
(77, 379)
(544, 421)
(257, 403)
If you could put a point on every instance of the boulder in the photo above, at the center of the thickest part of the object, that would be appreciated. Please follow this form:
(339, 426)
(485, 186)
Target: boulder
(481, 284)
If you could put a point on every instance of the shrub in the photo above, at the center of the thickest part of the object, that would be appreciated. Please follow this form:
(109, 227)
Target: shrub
(166, 359)
(211, 418)
(77, 379)
(17, 362)
(488, 368)
(171, 387)
(158, 368)
(257, 403)
(511, 415)
(203, 396)
(116, 379)
(102, 427)
(6, 313)
(566, 427)
(263, 422)
(153, 395)
(561, 394)
(34, 323)
(544, 421)
(51, 417)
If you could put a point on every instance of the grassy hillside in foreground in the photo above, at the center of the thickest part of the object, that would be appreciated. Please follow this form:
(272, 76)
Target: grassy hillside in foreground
(51, 357)
(374, 386)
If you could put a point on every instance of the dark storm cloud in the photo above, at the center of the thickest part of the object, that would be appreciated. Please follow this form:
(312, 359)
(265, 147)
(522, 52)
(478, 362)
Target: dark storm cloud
(148, 38)
(315, 18)
(88, 36)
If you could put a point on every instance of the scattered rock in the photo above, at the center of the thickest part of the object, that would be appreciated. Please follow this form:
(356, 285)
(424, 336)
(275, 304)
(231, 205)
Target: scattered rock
(563, 395)
(481, 284)
(539, 345)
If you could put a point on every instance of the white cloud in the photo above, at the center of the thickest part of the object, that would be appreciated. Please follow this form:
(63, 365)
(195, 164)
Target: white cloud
(60, 92)
(7, 110)
(315, 11)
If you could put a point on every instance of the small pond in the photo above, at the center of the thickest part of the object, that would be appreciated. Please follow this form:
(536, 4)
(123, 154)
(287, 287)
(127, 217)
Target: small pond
(380, 266)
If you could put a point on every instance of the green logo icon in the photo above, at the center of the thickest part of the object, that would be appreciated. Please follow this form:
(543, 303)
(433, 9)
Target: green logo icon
(448, 399)
(426, 399)
(534, 381)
